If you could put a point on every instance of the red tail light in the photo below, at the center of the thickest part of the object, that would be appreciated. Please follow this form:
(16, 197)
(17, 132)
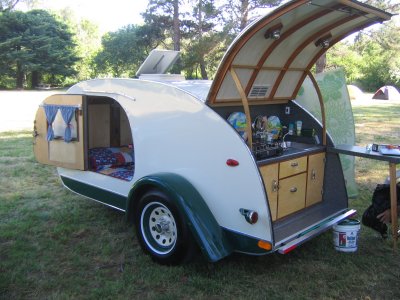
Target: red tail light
(232, 162)
(251, 216)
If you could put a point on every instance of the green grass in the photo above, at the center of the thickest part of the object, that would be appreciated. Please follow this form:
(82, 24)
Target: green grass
(58, 245)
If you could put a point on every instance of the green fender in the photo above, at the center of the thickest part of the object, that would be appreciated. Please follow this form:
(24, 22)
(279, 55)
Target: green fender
(205, 229)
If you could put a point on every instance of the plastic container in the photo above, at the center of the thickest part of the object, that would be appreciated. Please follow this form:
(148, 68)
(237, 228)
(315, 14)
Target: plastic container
(345, 235)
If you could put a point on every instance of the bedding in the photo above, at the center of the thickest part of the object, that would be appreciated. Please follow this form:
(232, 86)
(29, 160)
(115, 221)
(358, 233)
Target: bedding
(117, 162)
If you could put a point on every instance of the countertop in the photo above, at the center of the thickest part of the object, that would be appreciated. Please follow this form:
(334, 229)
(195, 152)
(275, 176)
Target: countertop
(294, 151)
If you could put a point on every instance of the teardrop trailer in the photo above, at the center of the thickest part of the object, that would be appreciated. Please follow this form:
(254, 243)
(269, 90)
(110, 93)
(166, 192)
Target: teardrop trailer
(165, 152)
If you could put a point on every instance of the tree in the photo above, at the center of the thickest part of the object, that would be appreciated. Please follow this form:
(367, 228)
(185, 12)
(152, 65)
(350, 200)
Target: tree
(386, 39)
(202, 38)
(124, 50)
(7, 5)
(87, 38)
(239, 13)
(88, 43)
(165, 14)
(387, 5)
(372, 60)
(33, 44)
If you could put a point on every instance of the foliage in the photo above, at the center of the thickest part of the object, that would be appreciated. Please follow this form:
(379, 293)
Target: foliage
(165, 15)
(202, 39)
(6, 5)
(388, 5)
(372, 60)
(201, 29)
(33, 44)
(238, 13)
(124, 50)
(87, 38)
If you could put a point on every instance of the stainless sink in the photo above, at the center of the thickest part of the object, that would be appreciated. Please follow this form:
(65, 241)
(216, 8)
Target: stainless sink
(298, 147)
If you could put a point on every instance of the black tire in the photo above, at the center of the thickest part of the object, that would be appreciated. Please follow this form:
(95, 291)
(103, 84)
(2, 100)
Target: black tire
(161, 230)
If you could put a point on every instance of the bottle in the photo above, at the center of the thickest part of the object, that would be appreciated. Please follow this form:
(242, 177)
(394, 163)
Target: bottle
(298, 127)
(291, 128)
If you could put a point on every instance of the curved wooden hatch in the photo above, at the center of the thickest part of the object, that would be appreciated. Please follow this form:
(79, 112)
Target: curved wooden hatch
(269, 60)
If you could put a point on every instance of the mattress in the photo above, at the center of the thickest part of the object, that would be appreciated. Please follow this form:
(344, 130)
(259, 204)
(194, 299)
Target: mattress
(117, 162)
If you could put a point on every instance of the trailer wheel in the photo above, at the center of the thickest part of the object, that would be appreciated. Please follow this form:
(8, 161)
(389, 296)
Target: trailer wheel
(161, 231)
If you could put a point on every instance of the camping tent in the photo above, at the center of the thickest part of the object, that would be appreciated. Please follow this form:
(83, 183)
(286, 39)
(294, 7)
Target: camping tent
(354, 92)
(387, 93)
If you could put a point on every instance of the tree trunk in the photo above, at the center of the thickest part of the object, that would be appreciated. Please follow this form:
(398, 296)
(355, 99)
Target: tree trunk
(203, 68)
(20, 76)
(200, 30)
(244, 14)
(177, 32)
(321, 64)
(35, 79)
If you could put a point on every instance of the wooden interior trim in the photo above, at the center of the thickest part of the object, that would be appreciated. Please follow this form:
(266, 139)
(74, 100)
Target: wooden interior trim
(245, 107)
(270, 101)
(85, 131)
(227, 62)
(321, 103)
(243, 67)
(246, 67)
(276, 43)
(236, 102)
(303, 45)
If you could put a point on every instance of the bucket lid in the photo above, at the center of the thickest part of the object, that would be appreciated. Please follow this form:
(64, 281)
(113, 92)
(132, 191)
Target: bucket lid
(349, 222)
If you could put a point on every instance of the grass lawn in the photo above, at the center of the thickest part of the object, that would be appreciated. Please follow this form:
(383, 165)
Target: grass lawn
(55, 244)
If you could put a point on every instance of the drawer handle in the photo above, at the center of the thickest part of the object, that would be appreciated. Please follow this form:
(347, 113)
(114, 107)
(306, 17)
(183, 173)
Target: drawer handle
(293, 190)
(294, 164)
(275, 186)
(313, 174)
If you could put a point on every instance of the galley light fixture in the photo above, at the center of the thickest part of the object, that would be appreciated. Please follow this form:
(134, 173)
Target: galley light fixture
(274, 32)
(324, 42)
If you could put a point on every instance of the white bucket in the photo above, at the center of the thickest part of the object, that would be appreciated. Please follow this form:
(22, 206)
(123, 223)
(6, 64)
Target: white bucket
(345, 235)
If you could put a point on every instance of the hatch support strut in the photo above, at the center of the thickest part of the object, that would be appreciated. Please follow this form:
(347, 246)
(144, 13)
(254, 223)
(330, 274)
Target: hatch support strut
(321, 103)
(245, 103)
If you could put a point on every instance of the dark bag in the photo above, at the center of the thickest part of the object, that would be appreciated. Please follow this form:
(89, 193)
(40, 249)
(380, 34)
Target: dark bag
(380, 203)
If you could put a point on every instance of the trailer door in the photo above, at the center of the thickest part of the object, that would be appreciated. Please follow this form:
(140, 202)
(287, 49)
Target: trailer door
(59, 132)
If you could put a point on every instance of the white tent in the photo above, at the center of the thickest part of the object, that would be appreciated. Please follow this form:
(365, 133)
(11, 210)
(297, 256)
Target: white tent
(354, 92)
(387, 92)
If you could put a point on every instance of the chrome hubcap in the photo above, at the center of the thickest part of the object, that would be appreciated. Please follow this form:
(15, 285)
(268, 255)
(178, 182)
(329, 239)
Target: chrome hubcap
(159, 227)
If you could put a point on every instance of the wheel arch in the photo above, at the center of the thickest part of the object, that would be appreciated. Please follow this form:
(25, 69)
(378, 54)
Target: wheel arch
(203, 226)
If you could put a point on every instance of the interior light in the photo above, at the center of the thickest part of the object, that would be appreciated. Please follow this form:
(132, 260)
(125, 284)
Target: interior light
(274, 32)
(323, 42)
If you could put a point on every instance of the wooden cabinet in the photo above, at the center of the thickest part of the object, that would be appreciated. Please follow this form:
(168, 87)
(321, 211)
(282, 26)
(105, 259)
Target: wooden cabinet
(292, 192)
(270, 176)
(315, 178)
(294, 184)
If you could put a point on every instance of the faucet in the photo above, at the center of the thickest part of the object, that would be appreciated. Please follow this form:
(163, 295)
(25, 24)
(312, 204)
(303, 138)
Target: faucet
(283, 144)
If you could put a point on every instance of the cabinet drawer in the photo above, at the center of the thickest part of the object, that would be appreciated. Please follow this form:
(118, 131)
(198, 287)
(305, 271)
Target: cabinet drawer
(292, 167)
(292, 194)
